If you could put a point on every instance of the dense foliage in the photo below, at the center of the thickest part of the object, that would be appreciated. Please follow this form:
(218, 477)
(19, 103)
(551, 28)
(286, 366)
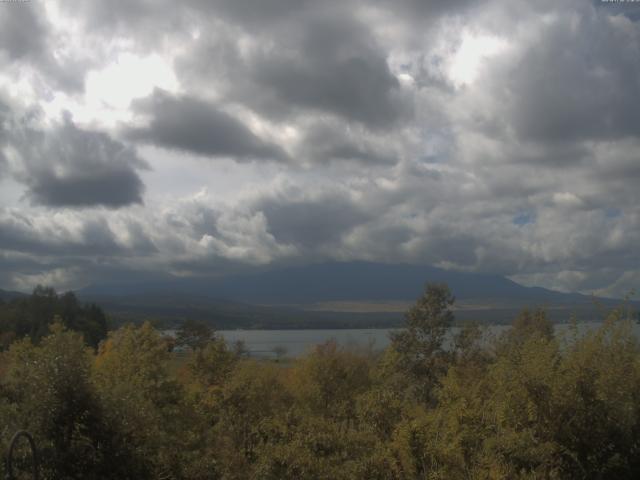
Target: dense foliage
(32, 316)
(525, 405)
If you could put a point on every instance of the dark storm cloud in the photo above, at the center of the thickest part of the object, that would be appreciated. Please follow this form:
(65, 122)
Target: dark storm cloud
(3, 162)
(311, 222)
(326, 141)
(349, 151)
(110, 187)
(139, 239)
(71, 167)
(357, 88)
(109, 15)
(192, 125)
(315, 59)
(627, 9)
(317, 56)
(435, 7)
(274, 12)
(526, 163)
(334, 66)
(550, 154)
(5, 113)
(11, 262)
(18, 233)
(143, 21)
(581, 80)
(13, 265)
(254, 13)
(427, 9)
(23, 32)
(26, 38)
(44, 247)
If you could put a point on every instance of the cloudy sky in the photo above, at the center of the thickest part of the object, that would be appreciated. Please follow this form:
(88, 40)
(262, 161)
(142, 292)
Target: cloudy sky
(150, 137)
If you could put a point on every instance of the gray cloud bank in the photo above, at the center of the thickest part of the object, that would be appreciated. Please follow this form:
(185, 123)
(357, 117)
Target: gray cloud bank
(66, 166)
(523, 161)
(195, 126)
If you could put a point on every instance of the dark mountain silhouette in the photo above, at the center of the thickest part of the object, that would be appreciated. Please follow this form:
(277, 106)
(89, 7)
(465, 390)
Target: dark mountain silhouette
(331, 295)
(348, 281)
(369, 281)
(7, 295)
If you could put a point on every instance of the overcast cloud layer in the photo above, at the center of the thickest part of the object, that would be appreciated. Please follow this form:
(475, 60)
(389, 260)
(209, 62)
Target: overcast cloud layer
(143, 138)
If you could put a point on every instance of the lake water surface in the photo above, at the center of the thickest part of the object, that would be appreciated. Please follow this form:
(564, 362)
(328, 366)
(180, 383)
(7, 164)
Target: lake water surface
(293, 343)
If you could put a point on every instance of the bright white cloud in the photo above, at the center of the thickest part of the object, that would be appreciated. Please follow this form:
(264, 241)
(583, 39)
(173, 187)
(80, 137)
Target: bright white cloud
(468, 59)
(110, 90)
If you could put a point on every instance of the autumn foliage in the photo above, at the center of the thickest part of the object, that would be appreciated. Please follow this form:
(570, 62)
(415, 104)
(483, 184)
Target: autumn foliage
(528, 404)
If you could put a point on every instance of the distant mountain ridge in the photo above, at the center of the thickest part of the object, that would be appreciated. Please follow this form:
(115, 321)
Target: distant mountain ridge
(327, 295)
(339, 281)
(330, 295)
(7, 295)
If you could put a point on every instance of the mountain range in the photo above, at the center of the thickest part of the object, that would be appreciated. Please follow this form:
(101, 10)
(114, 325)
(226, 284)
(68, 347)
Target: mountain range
(7, 295)
(331, 295)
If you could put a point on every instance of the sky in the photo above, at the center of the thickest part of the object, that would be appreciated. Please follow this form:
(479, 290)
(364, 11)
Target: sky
(146, 138)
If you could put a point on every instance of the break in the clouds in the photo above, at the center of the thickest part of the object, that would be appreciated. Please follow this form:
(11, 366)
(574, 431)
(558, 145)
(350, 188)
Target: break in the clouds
(142, 138)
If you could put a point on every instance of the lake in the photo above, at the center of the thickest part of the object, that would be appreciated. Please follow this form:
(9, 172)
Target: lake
(263, 343)
(298, 342)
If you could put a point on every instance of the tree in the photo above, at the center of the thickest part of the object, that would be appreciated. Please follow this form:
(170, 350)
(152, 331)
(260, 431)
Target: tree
(529, 323)
(32, 316)
(250, 407)
(54, 399)
(212, 364)
(194, 334)
(141, 400)
(328, 381)
(420, 344)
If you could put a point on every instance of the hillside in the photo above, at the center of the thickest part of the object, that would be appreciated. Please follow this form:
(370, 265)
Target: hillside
(338, 281)
(6, 295)
(329, 295)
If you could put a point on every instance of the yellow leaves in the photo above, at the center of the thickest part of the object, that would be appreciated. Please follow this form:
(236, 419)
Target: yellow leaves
(57, 327)
(210, 364)
(134, 354)
(533, 407)
(327, 381)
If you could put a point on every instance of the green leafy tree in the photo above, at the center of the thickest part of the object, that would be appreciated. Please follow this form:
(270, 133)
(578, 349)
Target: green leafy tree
(212, 364)
(141, 400)
(31, 317)
(194, 334)
(50, 388)
(328, 381)
(420, 344)
(251, 411)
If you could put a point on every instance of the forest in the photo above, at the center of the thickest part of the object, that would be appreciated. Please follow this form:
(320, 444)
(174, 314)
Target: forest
(121, 404)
